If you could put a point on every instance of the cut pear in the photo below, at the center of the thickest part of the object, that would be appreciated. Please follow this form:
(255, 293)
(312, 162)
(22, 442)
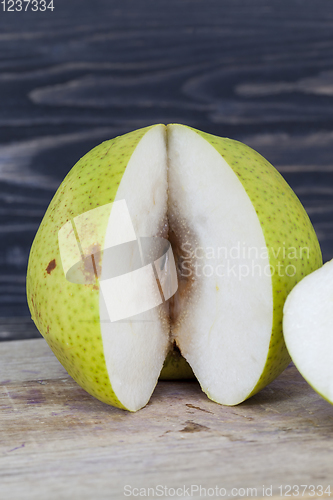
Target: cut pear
(242, 241)
(162, 241)
(308, 329)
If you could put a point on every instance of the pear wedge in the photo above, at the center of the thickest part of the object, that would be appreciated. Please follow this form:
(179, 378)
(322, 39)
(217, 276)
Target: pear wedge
(308, 329)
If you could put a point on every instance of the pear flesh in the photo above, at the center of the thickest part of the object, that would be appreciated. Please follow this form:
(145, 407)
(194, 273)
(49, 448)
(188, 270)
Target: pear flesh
(223, 209)
(223, 326)
(308, 329)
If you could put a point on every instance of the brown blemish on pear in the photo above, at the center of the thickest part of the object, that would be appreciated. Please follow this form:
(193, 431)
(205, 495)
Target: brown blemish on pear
(52, 265)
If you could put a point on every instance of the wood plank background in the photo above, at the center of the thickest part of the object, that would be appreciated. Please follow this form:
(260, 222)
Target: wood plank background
(60, 443)
(257, 71)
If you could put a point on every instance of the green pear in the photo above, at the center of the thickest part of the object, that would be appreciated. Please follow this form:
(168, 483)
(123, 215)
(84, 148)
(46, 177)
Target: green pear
(308, 329)
(222, 240)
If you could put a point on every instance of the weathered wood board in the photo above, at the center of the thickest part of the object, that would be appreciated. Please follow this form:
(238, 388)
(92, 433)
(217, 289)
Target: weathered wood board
(57, 442)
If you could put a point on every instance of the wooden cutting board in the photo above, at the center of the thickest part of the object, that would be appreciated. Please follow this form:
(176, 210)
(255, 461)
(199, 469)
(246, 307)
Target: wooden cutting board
(57, 442)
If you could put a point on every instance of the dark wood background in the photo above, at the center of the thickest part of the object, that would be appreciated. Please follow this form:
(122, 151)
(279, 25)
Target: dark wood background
(253, 70)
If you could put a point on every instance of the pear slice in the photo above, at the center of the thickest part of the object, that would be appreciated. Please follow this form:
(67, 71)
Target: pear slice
(244, 241)
(118, 362)
(308, 329)
(167, 241)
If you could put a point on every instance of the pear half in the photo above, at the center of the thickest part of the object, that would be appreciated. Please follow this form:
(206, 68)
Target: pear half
(308, 329)
(240, 242)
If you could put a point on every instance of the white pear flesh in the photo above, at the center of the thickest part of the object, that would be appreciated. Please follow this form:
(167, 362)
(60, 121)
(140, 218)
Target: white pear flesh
(225, 326)
(308, 329)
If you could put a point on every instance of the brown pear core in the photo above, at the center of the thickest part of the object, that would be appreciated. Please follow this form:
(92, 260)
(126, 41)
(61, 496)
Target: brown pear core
(175, 229)
(183, 245)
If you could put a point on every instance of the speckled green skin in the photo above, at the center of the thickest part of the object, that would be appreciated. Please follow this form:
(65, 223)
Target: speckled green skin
(67, 314)
(284, 223)
(176, 368)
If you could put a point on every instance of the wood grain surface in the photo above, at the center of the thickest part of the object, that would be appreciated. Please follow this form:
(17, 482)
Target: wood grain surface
(57, 442)
(257, 71)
